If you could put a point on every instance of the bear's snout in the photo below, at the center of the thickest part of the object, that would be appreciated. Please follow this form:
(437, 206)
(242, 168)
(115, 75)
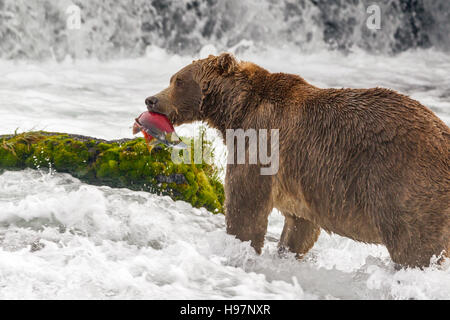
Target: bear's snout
(151, 102)
(154, 105)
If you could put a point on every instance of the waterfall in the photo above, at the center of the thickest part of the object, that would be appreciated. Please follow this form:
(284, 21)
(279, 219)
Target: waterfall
(38, 29)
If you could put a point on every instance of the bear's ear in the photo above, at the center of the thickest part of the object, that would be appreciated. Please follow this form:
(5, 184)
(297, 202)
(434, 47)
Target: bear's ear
(224, 64)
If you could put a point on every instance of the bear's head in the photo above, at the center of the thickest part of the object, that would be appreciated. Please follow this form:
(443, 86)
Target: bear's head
(185, 100)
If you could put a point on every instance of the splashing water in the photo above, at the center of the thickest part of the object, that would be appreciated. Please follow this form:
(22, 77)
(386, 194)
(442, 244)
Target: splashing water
(60, 238)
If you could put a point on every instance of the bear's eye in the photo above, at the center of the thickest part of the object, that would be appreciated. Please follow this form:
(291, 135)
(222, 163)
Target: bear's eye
(178, 82)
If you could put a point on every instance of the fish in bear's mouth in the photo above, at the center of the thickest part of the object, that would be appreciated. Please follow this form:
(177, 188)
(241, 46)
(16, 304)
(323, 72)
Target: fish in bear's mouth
(157, 128)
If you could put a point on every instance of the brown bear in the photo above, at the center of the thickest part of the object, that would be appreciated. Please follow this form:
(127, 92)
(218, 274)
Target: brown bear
(372, 165)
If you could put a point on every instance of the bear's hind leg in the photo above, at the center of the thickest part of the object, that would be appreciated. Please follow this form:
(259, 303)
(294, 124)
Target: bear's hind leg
(413, 247)
(298, 236)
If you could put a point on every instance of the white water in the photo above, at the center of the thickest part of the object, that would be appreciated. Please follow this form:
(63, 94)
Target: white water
(60, 238)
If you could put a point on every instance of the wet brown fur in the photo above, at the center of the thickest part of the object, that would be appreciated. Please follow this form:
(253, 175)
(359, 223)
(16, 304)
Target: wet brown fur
(372, 165)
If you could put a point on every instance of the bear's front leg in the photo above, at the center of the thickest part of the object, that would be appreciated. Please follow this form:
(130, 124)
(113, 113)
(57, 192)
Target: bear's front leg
(298, 236)
(248, 203)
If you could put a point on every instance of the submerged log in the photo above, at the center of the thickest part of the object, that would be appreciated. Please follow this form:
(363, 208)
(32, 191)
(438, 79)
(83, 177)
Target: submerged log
(124, 163)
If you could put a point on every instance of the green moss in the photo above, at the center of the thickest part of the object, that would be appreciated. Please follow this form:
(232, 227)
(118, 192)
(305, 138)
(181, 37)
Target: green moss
(8, 160)
(125, 164)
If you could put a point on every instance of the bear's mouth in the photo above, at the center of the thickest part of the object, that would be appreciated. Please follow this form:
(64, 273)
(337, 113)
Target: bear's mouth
(155, 109)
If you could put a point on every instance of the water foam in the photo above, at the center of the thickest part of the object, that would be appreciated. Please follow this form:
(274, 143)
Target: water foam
(63, 239)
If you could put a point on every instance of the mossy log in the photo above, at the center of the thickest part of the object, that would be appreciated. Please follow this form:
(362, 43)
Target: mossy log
(124, 163)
